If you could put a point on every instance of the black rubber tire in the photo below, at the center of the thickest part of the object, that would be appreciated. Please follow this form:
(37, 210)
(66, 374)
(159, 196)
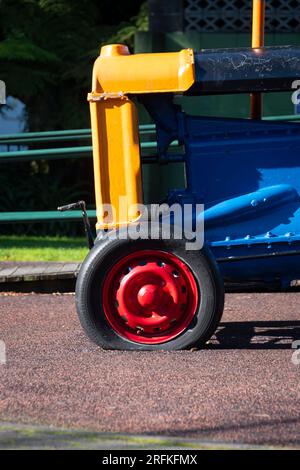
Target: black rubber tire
(99, 261)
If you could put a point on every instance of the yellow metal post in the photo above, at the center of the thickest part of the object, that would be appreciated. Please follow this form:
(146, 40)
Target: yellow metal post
(258, 41)
(116, 150)
(116, 153)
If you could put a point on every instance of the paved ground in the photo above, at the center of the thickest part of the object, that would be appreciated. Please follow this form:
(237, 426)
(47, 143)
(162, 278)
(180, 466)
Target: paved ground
(242, 388)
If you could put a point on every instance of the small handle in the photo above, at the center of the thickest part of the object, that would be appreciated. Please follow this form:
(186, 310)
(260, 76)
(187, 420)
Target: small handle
(75, 205)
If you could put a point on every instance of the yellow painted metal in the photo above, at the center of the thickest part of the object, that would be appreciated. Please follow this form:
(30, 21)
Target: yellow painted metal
(117, 71)
(258, 41)
(116, 156)
(116, 150)
(258, 28)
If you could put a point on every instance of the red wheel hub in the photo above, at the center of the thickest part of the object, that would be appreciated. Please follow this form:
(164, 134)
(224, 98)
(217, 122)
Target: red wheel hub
(150, 296)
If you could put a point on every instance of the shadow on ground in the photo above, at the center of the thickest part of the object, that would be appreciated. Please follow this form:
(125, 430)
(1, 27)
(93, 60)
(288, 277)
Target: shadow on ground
(256, 335)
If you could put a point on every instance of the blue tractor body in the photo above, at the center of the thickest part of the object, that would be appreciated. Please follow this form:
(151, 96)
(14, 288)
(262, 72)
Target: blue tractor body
(247, 175)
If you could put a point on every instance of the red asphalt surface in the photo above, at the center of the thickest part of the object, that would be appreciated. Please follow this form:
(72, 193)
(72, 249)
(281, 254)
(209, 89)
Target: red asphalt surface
(242, 388)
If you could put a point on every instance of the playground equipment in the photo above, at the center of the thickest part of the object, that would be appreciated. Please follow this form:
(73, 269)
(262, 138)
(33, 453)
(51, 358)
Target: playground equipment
(154, 293)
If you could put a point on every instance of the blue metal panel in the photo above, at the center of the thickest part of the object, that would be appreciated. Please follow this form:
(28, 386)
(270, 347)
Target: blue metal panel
(237, 157)
(247, 174)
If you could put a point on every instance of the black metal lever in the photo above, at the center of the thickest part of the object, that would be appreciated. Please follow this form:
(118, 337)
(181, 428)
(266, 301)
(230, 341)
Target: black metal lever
(87, 227)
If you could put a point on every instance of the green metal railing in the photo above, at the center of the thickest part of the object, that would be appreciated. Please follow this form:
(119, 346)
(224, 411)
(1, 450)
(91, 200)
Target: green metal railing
(82, 134)
(77, 135)
(293, 117)
(59, 136)
(43, 216)
(67, 152)
(32, 138)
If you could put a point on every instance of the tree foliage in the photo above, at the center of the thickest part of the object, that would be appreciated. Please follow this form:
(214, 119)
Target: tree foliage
(47, 49)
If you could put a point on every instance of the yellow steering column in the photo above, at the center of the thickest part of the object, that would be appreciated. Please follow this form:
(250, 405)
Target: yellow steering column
(115, 134)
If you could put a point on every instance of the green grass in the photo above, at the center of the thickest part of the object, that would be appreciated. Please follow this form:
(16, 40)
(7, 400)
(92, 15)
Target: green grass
(25, 248)
(25, 436)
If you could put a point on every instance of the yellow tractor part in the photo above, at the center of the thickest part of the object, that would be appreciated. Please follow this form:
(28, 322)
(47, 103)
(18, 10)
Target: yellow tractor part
(258, 41)
(116, 149)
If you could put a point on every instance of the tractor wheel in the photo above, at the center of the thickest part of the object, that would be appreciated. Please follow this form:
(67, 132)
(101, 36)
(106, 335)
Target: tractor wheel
(149, 295)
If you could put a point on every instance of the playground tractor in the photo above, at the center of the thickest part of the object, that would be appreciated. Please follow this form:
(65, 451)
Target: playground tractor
(152, 293)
